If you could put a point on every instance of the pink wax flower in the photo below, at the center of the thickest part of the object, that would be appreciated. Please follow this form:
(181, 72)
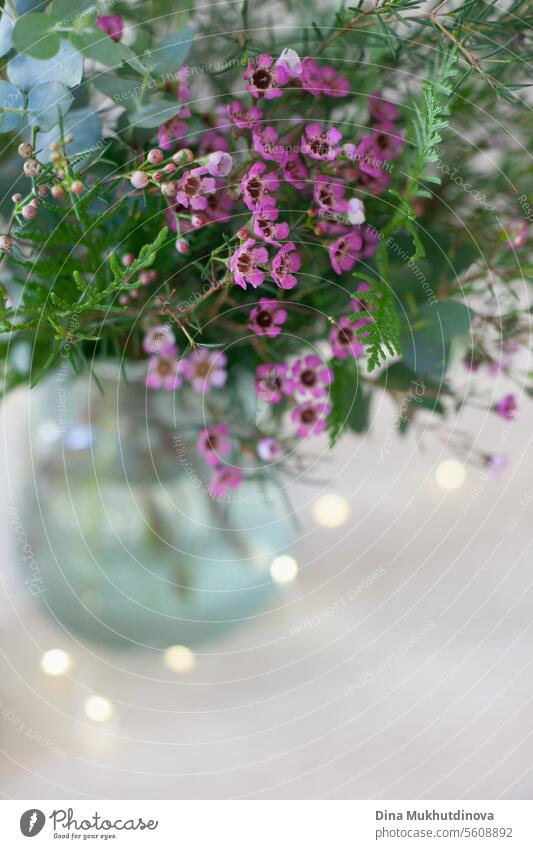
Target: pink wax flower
(256, 184)
(159, 340)
(243, 118)
(219, 204)
(367, 155)
(517, 234)
(295, 171)
(387, 141)
(273, 382)
(266, 142)
(263, 79)
(213, 442)
(164, 372)
(507, 407)
(193, 186)
(334, 84)
(113, 25)
(225, 479)
(171, 131)
(267, 318)
(328, 194)
(319, 143)
(265, 223)
(310, 419)
(346, 251)
(380, 109)
(244, 264)
(344, 339)
(213, 141)
(269, 449)
(206, 370)
(219, 164)
(311, 376)
(284, 265)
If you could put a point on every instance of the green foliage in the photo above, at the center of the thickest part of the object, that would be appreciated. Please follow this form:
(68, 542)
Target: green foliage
(350, 401)
(381, 336)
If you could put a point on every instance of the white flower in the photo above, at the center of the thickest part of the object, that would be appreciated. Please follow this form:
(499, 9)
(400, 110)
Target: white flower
(291, 62)
(355, 212)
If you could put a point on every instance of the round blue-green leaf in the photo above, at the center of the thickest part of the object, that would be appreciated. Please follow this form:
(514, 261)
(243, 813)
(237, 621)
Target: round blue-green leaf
(23, 6)
(97, 45)
(155, 112)
(33, 35)
(10, 98)
(169, 54)
(47, 103)
(6, 32)
(65, 67)
(85, 127)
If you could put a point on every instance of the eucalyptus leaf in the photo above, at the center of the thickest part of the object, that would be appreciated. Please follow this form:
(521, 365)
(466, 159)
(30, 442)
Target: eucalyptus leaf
(97, 45)
(85, 127)
(169, 54)
(7, 25)
(33, 36)
(10, 98)
(65, 67)
(136, 62)
(155, 113)
(122, 91)
(47, 103)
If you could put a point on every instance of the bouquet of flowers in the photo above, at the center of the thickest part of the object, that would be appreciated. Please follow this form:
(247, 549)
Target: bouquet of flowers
(312, 213)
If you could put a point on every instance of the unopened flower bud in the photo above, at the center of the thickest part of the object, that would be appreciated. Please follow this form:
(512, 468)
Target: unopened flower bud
(158, 176)
(198, 220)
(77, 187)
(25, 149)
(219, 163)
(53, 146)
(16, 198)
(6, 243)
(127, 259)
(57, 191)
(168, 189)
(183, 157)
(35, 203)
(148, 276)
(155, 156)
(243, 234)
(169, 168)
(139, 180)
(182, 246)
(28, 212)
(31, 168)
(43, 190)
(55, 158)
(68, 138)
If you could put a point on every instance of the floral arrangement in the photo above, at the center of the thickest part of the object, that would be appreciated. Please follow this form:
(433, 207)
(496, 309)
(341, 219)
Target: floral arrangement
(329, 210)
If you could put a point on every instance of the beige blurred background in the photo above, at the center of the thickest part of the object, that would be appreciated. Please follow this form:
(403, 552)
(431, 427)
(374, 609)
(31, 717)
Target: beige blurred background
(418, 684)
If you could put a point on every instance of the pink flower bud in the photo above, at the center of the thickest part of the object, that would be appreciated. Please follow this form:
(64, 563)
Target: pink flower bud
(182, 246)
(35, 203)
(28, 212)
(77, 187)
(243, 234)
(31, 168)
(57, 191)
(127, 259)
(155, 156)
(168, 189)
(170, 168)
(183, 157)
(25, 149)
(158, 176)
(139, 180)
(6, 243)
(198, 220)
(219, 163)
(16, 198)
(43, 190)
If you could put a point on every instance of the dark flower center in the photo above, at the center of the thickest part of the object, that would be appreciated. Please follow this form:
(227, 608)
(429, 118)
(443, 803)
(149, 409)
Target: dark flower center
(164, 368)
(245, 263)
(308, 416)
(255, 187)
(191, 186)
(319, 146)
(308, 377)
(345, 336)
(264, 318)
(262, 78)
